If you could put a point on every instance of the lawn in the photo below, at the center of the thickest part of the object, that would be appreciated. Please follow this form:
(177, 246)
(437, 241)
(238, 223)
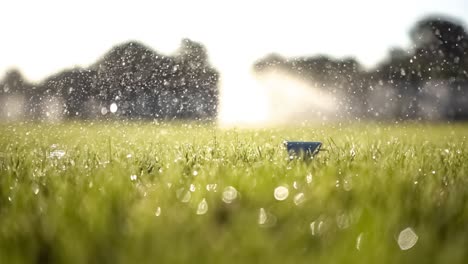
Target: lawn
(134, 192)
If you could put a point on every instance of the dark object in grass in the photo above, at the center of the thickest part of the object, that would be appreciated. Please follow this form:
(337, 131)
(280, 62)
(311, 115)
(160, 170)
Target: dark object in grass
(303, 149)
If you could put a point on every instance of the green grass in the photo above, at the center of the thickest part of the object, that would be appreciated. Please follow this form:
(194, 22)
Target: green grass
(98, 203)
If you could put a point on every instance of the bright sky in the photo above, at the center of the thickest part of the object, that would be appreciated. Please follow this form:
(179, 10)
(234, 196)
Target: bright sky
(43, 37)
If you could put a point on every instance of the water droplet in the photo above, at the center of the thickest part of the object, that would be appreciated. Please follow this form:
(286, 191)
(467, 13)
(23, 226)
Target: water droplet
(103, 111)
(158, 211)
(266, 219)
(407, 239)
(320, 227)
(402, 72)
(57, 154)
(295, 185)
(348, 184)
(342, 221)
(281, 193)
(183, 196)
(113, 108)
(133, 177)
(352, 152)
(262, 217)
(299, 199)
(358, 241)
(192, 188)
(213, 187)
(309, 178)
(229, 194)
(202, 207)
(312, 228)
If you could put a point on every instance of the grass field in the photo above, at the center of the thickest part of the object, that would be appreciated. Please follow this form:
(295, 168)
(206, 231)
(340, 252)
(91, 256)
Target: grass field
(191, 193)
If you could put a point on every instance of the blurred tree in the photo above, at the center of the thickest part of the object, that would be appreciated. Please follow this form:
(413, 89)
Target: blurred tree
(145, 84)
(196, 82)
(74, 87)
(129, 72)
(433, 69)
(14, 83)
(440, 46)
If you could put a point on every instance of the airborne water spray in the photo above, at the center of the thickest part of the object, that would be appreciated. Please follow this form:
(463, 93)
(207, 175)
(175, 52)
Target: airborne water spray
(274, 98)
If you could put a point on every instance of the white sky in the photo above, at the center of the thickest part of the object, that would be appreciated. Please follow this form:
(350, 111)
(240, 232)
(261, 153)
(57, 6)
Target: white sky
(43, 37)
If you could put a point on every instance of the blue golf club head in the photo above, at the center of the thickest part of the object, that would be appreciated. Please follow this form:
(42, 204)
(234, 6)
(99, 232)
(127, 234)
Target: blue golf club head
(302, 148)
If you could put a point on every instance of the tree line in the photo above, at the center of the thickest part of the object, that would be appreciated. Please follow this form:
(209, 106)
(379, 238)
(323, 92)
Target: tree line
(139, 82)
(428, 80)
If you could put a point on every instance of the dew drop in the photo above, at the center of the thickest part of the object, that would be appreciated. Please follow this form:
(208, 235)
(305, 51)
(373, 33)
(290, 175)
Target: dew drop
(158, 211)
(299, 199)
(281, 193)
(309, 178)
(358, 242)
(229, 194)
(407, 239)
(312, 228)
(212, 187)
(192, 188)
(58, 154)
(186, 198)
(262, 217)
(202, 207)
(295, 185)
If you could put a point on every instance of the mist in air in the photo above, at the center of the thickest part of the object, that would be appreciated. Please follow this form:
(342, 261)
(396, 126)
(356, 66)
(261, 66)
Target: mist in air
(274, 98)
